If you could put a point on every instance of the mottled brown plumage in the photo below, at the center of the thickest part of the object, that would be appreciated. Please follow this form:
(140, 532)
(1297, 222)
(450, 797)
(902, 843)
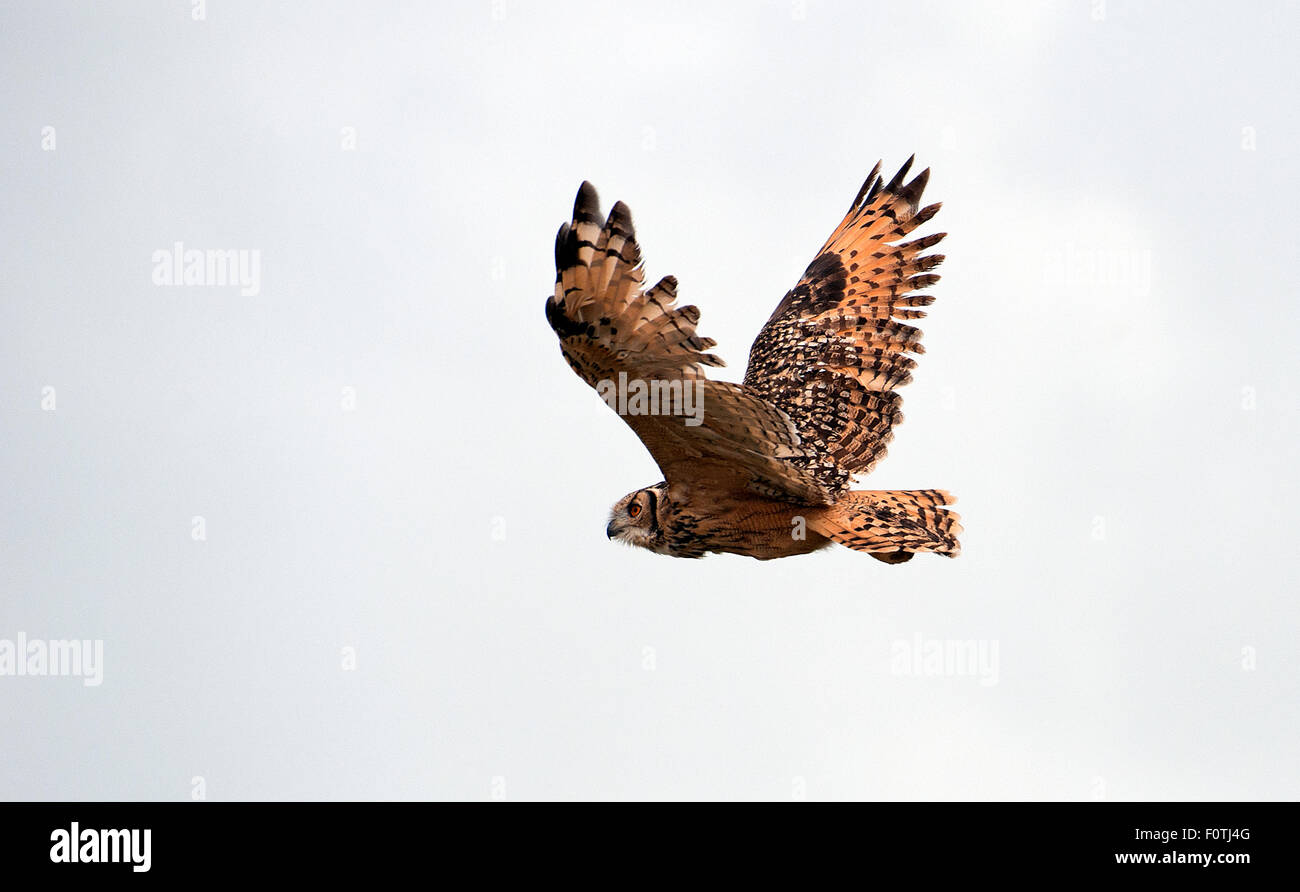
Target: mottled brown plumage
(762, 468)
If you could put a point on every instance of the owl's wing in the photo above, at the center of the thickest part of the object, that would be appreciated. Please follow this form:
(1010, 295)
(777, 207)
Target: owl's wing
(641, 353)
(836, 348)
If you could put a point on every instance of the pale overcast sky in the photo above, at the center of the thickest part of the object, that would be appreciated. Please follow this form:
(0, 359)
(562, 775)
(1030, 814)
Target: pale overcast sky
(344, 537)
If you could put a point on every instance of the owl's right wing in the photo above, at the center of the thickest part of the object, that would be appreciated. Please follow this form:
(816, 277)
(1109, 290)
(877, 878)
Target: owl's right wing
(624, 340)
(836, 348)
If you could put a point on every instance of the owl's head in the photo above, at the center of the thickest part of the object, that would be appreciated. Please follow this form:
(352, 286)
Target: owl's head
(637, 518)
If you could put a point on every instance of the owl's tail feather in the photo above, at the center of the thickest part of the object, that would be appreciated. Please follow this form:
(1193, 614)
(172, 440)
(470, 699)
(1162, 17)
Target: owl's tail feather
(893, 525)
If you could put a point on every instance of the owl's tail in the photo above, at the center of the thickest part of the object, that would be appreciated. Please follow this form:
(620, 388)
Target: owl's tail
(892, 525)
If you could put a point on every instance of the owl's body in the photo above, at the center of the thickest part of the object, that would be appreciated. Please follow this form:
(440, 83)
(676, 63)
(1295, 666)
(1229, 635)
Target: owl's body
(690, 521)
(762, 468)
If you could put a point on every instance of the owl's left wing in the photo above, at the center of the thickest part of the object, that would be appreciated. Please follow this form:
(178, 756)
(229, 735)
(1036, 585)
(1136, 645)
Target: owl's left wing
(642, 354)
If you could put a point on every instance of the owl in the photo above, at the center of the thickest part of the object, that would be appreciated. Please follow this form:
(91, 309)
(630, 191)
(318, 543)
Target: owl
(763, 468)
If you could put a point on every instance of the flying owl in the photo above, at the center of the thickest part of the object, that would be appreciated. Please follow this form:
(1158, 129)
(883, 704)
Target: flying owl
(762, 468)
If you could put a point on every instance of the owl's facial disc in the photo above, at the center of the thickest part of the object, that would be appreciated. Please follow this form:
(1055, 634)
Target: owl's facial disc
(633, 519)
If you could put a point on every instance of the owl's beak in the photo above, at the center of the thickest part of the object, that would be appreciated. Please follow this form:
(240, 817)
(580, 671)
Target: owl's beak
(610, 531)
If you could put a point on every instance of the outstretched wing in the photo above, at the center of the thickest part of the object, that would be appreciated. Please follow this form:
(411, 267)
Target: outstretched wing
(641, 353)
(836, 347)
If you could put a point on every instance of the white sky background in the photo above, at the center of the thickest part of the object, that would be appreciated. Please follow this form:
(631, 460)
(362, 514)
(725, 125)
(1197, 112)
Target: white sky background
(1121, 443)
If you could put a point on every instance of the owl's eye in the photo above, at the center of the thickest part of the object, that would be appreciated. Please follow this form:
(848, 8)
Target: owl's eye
(633, 510)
